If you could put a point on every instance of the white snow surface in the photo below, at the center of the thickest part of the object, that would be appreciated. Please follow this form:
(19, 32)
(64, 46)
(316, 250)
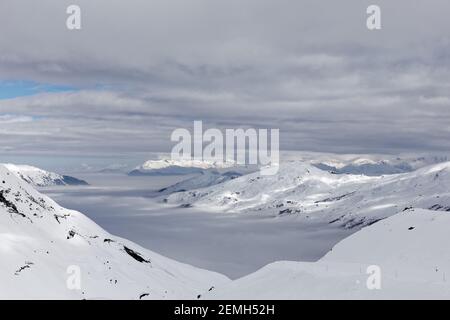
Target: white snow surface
(36, 176)
(187, 163)
(203, 180)
(377, 165)
(187, 166)
(312, 194)
(410, 249)
(33, 175)
(39, 241)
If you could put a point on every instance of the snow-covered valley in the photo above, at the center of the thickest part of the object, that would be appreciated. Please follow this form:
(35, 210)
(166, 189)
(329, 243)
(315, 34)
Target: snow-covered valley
(232, 244)
(333, 225)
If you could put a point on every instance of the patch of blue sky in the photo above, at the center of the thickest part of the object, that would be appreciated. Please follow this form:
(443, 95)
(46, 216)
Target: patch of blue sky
(10, 89)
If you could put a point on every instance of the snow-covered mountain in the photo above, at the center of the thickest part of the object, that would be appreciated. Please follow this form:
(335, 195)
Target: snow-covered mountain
(369, 165)
(368, 168)
(402, 257)
(205, 179)
(40, 242)
(178, 167)
(41, 178)
(376, 167)
(312, 194)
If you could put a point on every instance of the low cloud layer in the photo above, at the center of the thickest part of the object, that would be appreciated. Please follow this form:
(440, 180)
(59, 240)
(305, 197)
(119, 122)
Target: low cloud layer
(144, 68)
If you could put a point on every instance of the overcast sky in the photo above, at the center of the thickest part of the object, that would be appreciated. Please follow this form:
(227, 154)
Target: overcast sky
(139, 69)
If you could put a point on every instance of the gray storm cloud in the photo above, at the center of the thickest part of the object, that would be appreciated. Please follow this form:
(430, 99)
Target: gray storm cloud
(144, 68)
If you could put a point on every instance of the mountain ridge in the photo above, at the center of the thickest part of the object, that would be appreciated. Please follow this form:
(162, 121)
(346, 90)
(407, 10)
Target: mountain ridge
(39, 241)
(42, 178)
(309, 193)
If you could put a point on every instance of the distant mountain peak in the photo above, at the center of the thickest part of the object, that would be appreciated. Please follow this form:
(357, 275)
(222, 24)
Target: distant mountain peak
(187, 163)
(179, 167)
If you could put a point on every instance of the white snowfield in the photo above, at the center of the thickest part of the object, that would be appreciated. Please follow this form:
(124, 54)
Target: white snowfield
(303, 191)
(375, 165)
(41, 178)
(41, 241)
(165, 163)
(205, 179)
(185, 167)
(408, 253)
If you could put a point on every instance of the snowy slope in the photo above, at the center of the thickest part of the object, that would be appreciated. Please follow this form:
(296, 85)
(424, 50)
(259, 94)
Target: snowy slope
(311, 193)
(178, 167)
(409, 249)
(206, 179)
(377, 167)
(368, 167)
(271, 194)
(41, 178)
(39, 240)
